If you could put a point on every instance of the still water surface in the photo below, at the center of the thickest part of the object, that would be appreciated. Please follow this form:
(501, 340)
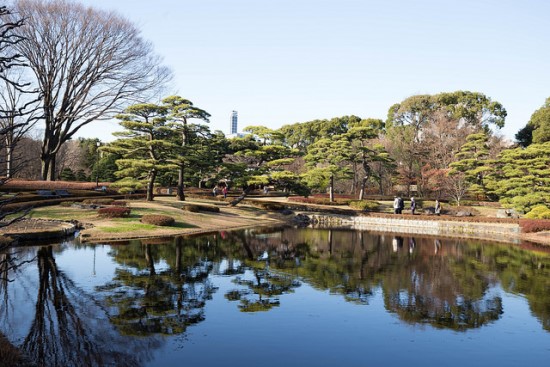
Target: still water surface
(294, 297)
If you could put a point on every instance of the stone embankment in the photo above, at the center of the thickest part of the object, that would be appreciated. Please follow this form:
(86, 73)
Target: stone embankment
(507, 232)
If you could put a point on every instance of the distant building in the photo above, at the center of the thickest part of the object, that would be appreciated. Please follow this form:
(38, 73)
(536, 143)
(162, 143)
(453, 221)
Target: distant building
(234, 117)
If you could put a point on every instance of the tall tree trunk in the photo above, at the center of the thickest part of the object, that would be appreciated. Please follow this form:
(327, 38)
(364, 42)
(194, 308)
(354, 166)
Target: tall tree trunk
(363, 185)
(151, 185)
(180, 195)
(246, 191)
(45, 167)
(331, 189)
(51, 172)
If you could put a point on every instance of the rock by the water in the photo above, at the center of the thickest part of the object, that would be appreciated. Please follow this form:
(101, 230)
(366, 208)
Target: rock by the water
(301, 219)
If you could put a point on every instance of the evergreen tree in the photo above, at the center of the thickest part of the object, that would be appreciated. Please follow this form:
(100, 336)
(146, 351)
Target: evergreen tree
(181, 110)
(472, 161)
(521, 177)
(144, 146)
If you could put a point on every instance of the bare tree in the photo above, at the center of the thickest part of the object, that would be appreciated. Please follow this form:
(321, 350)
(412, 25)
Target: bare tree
(21, 112)
(456, 186)
(88, 65)
(14, 116)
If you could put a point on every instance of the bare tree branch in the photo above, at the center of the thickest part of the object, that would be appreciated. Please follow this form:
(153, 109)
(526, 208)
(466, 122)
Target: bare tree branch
(88, 65)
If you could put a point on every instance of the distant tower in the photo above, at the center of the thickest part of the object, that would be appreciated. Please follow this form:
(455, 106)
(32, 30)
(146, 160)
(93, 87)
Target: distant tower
(234, 122)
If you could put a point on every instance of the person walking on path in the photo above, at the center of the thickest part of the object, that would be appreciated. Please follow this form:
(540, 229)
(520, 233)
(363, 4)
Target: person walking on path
(395, 205)
(401, 205)
(437, 209)
(413, 205)
(224, 192)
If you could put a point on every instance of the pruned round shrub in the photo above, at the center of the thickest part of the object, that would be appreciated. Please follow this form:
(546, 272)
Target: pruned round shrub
(364, 205)
(192, 208)
(195, 208)
(157, 219)
(114, 212)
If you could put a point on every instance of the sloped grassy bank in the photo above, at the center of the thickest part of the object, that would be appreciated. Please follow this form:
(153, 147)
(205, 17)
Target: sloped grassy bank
(97, 229)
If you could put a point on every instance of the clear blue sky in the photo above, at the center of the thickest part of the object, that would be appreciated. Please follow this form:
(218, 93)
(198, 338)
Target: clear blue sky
(284, 61)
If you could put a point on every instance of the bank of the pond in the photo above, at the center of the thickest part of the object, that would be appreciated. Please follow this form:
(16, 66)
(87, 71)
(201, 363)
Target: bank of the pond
(98, 229)
(187, 223)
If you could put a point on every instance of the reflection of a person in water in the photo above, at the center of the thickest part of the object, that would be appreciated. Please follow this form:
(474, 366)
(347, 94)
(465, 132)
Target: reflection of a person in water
(412, 245)
(397, 242)
(437, 245)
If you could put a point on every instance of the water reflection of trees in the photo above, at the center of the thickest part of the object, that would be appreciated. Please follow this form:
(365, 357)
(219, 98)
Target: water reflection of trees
(70, 327)
(162, 288)
(445, 283)
(150, 297)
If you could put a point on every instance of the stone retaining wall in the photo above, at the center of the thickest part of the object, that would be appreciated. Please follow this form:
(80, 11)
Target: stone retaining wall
(491, 231)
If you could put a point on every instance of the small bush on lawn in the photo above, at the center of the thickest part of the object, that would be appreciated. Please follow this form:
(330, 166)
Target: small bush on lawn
(195, 208)
(191, 208)
(539, 212)
(534, 225)
(67, 204)
(157, 219)
(364, 205)
(114, 212)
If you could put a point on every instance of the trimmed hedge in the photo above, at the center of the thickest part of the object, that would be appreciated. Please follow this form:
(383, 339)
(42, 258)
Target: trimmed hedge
(157, 219)
(534, 225)
(114, 212)
(195, 208)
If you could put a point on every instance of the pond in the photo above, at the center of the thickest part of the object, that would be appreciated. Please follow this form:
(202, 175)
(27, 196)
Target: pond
(278, 297)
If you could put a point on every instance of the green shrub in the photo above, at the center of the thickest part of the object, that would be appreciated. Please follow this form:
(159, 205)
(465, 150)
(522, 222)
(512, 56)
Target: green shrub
(364, 205)
(67, 204)
(157, 219)
(539, 212)
(114, 212)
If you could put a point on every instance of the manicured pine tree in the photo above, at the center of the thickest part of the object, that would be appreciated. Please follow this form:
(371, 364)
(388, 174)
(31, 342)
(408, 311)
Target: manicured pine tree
(180, 111)
(521, 177)
(472, 161)
(144, 145)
